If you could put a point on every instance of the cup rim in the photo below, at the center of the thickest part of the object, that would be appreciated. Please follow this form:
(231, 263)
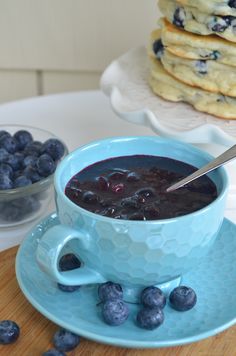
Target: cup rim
(62, 165)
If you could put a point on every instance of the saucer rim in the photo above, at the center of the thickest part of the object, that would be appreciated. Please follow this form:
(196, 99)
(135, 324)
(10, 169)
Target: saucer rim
(106, 339)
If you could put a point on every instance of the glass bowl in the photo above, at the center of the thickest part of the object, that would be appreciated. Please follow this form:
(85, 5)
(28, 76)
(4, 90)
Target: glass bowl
(24, 204)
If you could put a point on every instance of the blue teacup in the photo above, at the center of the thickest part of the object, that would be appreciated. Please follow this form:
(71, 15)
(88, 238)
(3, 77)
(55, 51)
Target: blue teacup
(135, 254)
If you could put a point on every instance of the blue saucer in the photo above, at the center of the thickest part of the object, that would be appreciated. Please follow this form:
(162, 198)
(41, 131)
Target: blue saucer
(214, 282)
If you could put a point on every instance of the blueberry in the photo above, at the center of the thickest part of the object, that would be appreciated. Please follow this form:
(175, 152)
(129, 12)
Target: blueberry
(182, 298)
(219, 24)
(228, 19)
(5, 182)
(53, 352)
(4, 133)
(45, 165)
(65, 340)
(3, 155)
(116, 175)
(137, 216)
(22, 138)
(102, 183)
(151, 212)
(158, 48)
(150, 318)
(110, 291)
(29, 161)
(22, 181)
(31, 173)
(106, 202)
(121, 216)
(153, 297)
(130, 202)
(133, 177)
(6, 169)
(33, 148)
(54, 148)
(115, 312)
(14, 160)
(89, 197)
(9, 143)
(20, 208)
(118, 188)
(68, 289)
(232, 3)
(221, 99)
(146, 192)
(201, 67)
(68, 262)
(16, 174)
(109, 211)
(27, 204)
(179, 17)
(9, 332)
(11, 213)
(215, 55)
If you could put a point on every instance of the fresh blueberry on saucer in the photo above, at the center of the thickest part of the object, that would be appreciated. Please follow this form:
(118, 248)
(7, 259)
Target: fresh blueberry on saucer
(150, 318)
(110, 291)
(153, 297)
(65, 340)
(182, 298)
(9, 332)
(115, 312)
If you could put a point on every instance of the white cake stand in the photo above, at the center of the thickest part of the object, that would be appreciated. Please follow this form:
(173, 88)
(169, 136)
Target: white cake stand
(125, 83)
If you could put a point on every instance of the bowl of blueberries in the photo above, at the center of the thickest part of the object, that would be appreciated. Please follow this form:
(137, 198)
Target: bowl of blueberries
(28, 159)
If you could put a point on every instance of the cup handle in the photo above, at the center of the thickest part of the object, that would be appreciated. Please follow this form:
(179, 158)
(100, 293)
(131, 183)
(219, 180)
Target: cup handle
(48, 252)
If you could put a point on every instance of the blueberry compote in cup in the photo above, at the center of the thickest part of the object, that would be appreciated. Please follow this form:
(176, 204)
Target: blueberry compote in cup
(134, 252)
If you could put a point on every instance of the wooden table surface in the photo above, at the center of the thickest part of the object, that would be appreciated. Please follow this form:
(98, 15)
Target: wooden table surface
(37, 331)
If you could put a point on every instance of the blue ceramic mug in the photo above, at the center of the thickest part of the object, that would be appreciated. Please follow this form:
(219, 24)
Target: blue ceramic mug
(133, 253)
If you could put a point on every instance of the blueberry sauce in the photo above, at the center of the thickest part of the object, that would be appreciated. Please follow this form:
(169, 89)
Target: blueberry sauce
(134, 188)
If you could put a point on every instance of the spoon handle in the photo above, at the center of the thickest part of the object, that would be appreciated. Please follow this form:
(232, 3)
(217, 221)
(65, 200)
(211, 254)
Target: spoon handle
(225, 157)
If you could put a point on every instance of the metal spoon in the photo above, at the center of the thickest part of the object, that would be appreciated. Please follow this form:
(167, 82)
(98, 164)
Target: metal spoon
(225, 157)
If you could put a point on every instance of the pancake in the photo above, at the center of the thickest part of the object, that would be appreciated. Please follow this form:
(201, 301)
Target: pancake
(206, 74)
(193, 20)
(169, 88)
(188, 45)
(215, 7)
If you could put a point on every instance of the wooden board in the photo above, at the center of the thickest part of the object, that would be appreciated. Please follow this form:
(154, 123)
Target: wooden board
(37, 331)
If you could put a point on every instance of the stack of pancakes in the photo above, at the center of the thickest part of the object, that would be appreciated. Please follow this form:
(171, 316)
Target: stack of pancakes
(193, 55)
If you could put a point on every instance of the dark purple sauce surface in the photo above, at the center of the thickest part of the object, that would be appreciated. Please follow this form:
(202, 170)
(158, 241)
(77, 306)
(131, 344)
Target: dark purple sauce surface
(134, 188)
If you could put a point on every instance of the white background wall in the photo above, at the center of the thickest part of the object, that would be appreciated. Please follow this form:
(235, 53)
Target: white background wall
(50, 46)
